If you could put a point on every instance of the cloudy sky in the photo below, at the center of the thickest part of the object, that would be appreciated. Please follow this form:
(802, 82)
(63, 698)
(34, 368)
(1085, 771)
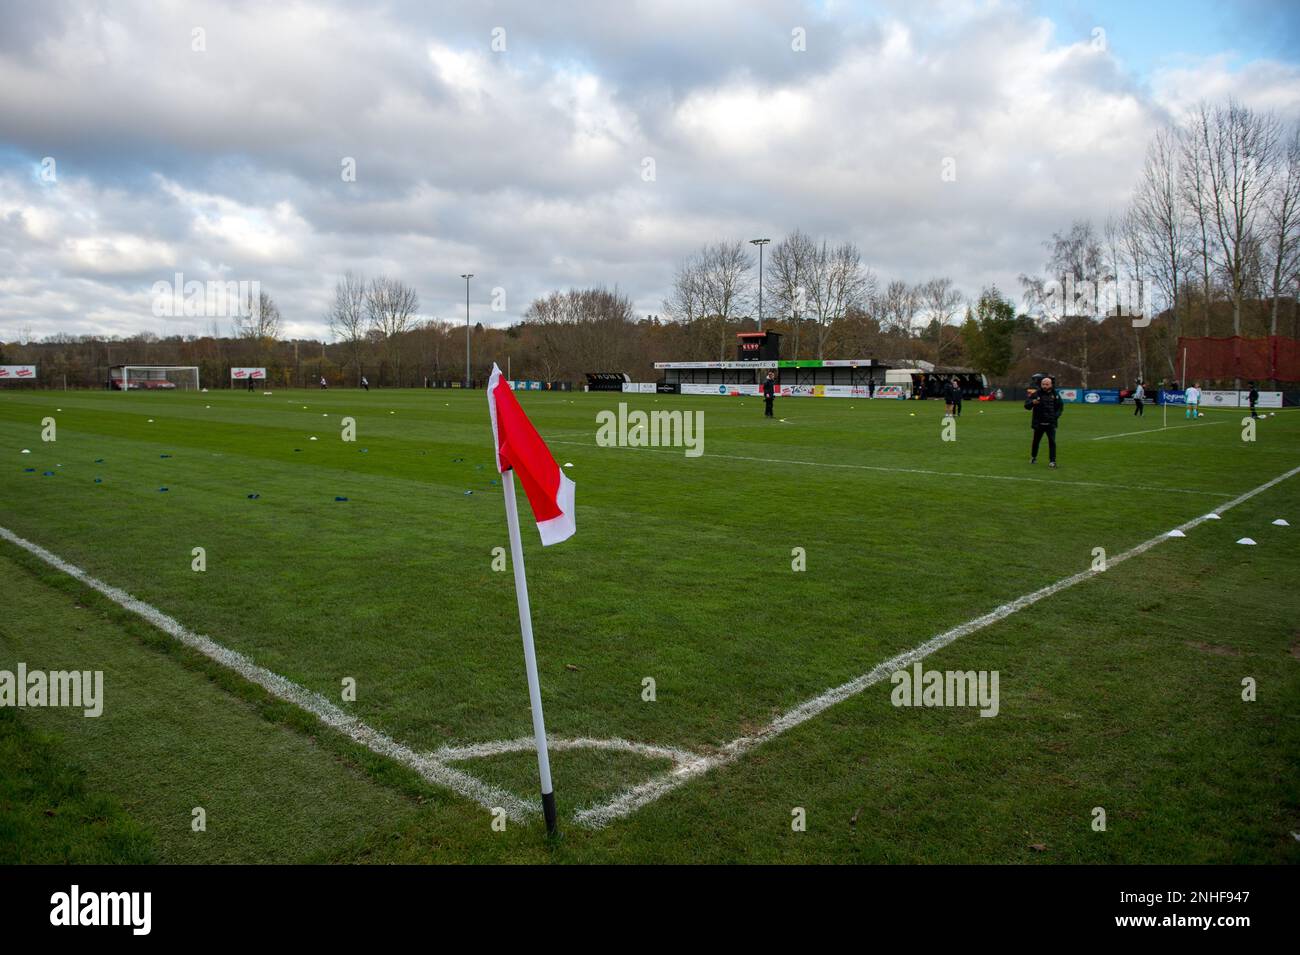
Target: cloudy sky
(543, 145)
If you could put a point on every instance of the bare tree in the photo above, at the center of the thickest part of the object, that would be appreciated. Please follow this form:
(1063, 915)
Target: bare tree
(685, 303)
(1238, 144)
(1162, 223)
(1075, 258)
(940, 300)
(1283, 222)
(791, 267)
(837, 282)
(723, 284)
(347, 316)
(582, 330)
(260, 320)
(897, 308)
(391, 306)
(1197, 190)
(1133, 259)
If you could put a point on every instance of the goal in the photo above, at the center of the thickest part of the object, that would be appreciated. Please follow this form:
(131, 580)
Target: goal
(153, 378)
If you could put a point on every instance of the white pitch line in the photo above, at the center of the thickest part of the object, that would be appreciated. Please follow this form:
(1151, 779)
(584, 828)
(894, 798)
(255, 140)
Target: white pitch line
(428, 766)
(686, 765)
(1171, 427)
(956, 474)
(642, 795)
(527, 744)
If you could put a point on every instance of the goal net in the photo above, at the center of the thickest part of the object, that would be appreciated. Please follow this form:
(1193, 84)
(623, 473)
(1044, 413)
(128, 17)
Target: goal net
(154, 378)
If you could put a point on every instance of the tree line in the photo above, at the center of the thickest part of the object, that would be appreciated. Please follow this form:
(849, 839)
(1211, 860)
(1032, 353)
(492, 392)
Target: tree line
(1210, 241)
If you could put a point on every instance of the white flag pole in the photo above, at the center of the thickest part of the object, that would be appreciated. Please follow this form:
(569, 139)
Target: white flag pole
(530, 655)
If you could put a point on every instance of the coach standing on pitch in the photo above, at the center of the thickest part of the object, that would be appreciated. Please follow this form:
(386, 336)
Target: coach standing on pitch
(769, 393)
(1047, 406)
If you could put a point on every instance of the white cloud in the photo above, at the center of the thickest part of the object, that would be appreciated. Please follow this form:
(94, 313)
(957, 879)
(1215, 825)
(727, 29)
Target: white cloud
(525, 166)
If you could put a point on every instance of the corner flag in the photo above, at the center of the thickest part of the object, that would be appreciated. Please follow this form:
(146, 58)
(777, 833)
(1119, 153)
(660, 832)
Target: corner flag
(520, 449)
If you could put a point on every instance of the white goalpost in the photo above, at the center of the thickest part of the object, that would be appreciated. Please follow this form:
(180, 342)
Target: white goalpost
(153, 378)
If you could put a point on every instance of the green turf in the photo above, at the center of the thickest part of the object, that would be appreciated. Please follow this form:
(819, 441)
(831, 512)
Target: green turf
(681, 571)
(47, 816)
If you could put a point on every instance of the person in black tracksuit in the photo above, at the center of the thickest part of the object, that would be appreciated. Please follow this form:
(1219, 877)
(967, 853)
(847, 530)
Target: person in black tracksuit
(956, 398)
(769, 393)
(1046, 404)
(1254, 399)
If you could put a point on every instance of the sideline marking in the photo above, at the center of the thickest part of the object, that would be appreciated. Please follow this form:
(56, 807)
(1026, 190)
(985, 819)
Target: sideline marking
(636, 797)
(1169, 427)
(686, 765)
(427, 765)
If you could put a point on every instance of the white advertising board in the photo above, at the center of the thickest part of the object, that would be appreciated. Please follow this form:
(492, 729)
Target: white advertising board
(1222, 399)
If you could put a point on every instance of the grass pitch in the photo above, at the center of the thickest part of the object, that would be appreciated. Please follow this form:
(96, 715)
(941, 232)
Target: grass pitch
(1122, 692)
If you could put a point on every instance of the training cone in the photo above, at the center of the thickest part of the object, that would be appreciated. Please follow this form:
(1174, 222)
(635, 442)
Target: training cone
(1213, 517)
(1247, 541)
(1175, 533)
(1281, 522)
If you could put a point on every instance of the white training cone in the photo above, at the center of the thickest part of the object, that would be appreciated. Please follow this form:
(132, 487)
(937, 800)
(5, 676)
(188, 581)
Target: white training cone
(1246, 540)
(1213, 517)
(1175, 533)
(1281, 522)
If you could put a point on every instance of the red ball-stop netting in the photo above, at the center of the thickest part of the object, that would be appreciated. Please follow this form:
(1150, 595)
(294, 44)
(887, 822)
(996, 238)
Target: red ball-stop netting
(1275, 357)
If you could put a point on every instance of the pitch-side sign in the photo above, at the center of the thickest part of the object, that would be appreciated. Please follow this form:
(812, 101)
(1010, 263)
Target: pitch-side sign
(1221, 399)
(794, 391)
(243, 374)
(1239, 399)
(17, 372)
(748, 365)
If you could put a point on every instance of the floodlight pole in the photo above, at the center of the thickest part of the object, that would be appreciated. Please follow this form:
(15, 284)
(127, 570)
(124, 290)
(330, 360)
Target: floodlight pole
(467, 276)
(760, 243)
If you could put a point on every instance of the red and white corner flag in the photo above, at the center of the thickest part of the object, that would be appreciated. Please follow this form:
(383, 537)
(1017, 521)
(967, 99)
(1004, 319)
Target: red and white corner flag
(521, 450)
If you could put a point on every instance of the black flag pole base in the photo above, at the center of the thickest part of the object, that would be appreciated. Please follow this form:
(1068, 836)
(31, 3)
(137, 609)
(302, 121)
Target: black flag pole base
(548, 810)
